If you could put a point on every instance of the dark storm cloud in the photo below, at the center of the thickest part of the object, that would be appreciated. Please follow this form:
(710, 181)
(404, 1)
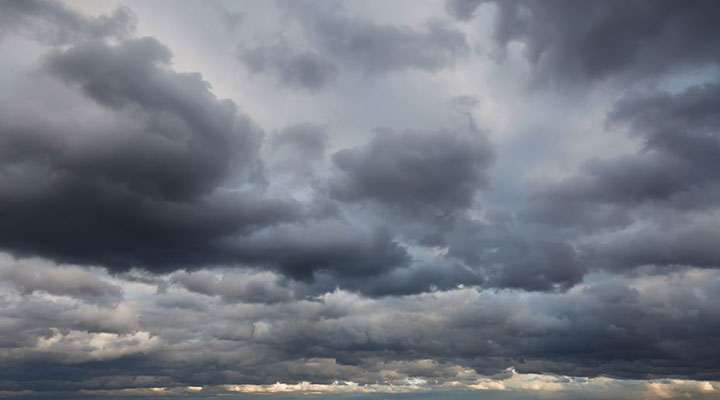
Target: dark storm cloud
(677, 166)
(604, 192)
(394, 261)
(685, 125)
(247, 286)
(664, 188)
(307, 69)
(629, 328)
(432, 174)
(374, 48)
(143, 184)
(506, 259)
(570, 40)
(53, 23)
(670, 242)
(192, 141)
(612, 323)
(419, 277)
(149, 185)
(331, 246)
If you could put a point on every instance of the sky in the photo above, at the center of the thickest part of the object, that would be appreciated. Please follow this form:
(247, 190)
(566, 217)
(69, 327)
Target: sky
(427, 199)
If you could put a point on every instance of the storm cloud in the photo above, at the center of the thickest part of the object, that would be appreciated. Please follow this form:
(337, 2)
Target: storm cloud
(141, 178)
(416, 199)
(566, 40)
(435, 174)
(664, 196)
(374, 48)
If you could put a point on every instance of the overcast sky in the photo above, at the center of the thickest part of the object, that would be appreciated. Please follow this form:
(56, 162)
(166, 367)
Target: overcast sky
(329, 199)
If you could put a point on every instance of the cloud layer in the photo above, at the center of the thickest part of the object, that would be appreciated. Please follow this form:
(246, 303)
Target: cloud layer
(301, 197)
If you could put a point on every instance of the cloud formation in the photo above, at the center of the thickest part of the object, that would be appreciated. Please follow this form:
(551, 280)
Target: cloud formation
(140, 181)
(614, 327)
(566, 40)
(392, 211)
(54, 23)
(434, 174)
(306, 69)
(664, 196)
(341, 41)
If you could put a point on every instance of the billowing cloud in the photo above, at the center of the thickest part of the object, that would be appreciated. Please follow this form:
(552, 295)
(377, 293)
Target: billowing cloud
(327, 217)
(331, 246)
(54, 23)
(662, 199)
(250, 288)
(140, 180)
(566, 40)
(29, 276)
(323, 41)
(373, 48)
(626, 328)
(436, 173)
(505, 258)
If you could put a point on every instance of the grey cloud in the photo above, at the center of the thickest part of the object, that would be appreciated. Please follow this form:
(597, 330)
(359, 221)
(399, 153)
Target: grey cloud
(393, 277)
(655, 208)
(232, 19)
(297, 152)
(628, 328)
(307, 140)
(419, 183)
(575, 41)
(419, 277)
(217, 260)
(684, 124)
(401, 277)
(331, 246)
(374, 48)
(181, 301)
(604, 192)
(53, 23)
(146, 185)
(203, 137)
(536, 265)
(252, 288)
(150, 185)
(34, 318)
(505, 258)
(675, 242)
(305, 69)
(433, 174)
(140, 184)
(462, 9)
(35, 276)
(464, 104)
(675, 169)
